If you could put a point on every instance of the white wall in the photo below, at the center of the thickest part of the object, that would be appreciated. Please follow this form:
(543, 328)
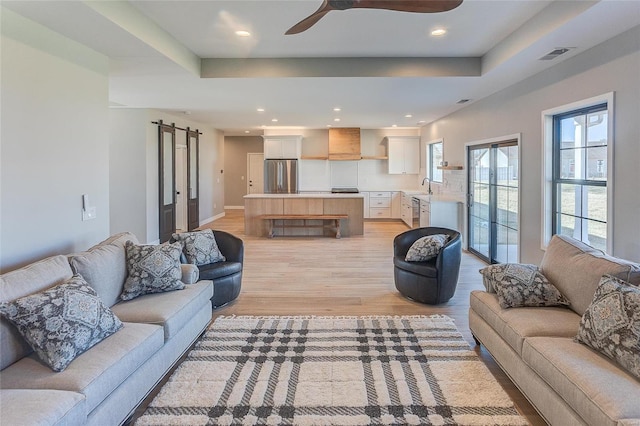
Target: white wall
(134, 170)
(54, 143)
(613, 66)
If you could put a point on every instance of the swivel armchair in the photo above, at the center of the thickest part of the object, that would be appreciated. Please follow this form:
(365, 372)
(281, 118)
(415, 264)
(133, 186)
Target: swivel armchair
(432, 282)
(226, 275)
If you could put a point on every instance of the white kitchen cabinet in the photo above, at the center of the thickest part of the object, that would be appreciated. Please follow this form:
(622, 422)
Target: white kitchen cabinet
(442, 214)
(380, 204)
(406, 213)
(425, 216)
(279, 147)
(404, 154)
(396, 204)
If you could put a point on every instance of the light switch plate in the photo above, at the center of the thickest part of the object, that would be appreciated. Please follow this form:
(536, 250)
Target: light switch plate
(89, 213)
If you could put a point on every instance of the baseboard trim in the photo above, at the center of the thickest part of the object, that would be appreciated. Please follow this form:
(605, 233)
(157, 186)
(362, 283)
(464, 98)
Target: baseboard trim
(234, 207)
(212, 218)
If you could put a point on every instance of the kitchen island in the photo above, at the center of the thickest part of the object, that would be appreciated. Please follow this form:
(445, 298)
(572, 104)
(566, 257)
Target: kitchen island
(257, 206)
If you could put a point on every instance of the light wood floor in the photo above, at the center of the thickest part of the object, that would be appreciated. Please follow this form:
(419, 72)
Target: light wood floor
(348, 276)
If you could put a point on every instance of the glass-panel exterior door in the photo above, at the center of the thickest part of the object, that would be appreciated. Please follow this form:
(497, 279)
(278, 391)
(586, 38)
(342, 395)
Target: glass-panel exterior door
(478, 204)
(493, 201)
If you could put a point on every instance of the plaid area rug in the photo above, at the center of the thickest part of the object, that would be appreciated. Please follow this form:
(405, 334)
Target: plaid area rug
(332, 371)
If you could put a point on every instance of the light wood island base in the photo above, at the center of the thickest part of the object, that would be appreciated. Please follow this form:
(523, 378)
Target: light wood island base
(303, 214)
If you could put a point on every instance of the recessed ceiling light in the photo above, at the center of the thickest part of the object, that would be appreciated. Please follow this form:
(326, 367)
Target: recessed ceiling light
(246, 131)
(336, 109)
(264, 126)
(438, 32)
(421, 121)
(408, 116)
(260, 110)
(336, 119)
(328, 125)
(243, 33)
(394, 125)
(275, 120)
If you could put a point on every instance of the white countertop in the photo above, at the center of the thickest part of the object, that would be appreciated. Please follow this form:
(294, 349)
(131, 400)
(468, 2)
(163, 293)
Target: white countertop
(435, 198)
(317, 195)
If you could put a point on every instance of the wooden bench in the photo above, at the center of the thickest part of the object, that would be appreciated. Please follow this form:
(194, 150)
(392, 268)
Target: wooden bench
(335, 218)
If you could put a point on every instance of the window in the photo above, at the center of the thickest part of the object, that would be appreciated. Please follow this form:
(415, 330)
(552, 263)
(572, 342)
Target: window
(434, 160)
(580, 164)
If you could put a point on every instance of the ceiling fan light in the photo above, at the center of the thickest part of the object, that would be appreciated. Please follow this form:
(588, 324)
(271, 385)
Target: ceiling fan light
(438, 32)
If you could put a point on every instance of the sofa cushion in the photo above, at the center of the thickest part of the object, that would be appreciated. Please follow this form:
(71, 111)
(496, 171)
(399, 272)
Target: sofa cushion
(520, 285)
(575, 269)
(104, 266)
(95, 373)
(170, 310)
(152, 269)
(40, 407)
(200, 247)
(516, 324)
(426, 248)
(593, 385)
(611, 324)
(31, 279)
(62, 322)
(213, 271)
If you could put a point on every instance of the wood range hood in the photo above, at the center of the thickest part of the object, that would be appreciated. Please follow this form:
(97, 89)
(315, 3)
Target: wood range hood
(344, 143)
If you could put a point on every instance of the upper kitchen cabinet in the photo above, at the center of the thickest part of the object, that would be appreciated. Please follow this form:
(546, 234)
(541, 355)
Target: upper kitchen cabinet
(282, 147)
(404, 154)
(344, 143)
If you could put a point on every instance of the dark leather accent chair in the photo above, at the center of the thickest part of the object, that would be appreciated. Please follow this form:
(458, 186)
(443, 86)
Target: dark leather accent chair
(227, 275)
(434, 281)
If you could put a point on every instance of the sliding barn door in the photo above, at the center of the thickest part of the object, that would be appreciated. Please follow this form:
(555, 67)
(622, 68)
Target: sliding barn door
(167, 179)
(193, 204)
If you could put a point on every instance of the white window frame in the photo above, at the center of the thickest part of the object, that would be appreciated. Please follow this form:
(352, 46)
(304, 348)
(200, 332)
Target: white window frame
(429, 169)
(547, 163)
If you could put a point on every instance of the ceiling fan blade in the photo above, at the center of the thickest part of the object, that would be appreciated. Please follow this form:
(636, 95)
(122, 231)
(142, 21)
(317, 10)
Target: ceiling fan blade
(416, 6)
(310, 20)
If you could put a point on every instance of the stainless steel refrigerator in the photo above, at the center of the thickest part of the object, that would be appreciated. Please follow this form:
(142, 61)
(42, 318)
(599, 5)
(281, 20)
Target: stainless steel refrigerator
(280, 176)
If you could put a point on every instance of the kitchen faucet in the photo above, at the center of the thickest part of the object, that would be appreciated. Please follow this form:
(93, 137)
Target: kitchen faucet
(429, 187)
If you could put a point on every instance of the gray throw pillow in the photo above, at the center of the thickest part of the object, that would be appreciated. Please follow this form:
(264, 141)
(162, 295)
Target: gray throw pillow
(152, 269)
(200, 247)
(520, 285)
(426, 248)
(611, 323)
(62, 322)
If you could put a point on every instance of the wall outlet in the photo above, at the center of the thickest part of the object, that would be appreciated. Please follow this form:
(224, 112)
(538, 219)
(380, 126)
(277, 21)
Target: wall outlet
(89, 213)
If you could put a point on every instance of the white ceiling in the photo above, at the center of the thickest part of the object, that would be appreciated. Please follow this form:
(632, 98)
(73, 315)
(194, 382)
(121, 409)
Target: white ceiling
(156, 49)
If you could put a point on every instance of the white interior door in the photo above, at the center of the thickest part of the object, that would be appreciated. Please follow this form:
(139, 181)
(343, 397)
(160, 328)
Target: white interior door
(181, 188)
(255, 173)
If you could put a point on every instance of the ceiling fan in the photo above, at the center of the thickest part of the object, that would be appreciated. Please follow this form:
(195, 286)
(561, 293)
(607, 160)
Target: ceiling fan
(416, 6)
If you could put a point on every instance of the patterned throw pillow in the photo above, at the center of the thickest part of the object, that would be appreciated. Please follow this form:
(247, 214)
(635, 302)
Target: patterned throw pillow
(521, 285)
(152, 269)
(62, 322)
(200, 247)
(426, 248)
(611, 323)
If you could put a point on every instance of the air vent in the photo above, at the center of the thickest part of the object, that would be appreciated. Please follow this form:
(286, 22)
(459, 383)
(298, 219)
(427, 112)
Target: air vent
(463, 101)
(555, 53)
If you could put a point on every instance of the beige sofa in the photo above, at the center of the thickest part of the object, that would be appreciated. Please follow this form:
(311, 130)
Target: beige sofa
(105, 384)
(567, 382)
